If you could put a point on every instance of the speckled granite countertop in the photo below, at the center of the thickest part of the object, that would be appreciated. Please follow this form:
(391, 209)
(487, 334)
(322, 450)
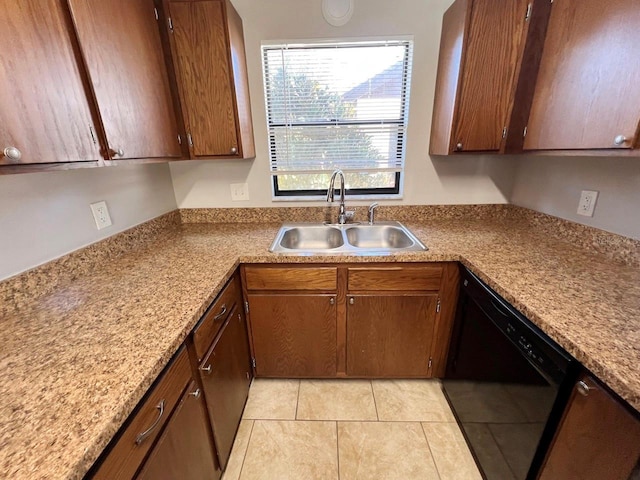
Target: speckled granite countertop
(75, 360)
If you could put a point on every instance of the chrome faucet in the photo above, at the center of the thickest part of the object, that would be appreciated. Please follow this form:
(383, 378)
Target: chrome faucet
(342, 215)
(371, 214)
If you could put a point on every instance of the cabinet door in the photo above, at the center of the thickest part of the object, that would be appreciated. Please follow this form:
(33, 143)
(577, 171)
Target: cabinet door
(184, 450)
(494, 42)
(201, 53)
(597, 438)
(390, 335)
(120, 41)
(226, 376)
(587, 89)
(294, 335)
(44, 111)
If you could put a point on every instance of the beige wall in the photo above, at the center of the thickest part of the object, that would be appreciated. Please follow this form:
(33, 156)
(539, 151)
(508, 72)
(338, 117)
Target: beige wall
(427, 181)
(46, 215)
(553, 185)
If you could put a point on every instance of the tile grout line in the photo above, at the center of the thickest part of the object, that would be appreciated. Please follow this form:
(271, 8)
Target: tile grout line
(433, 458)
(338, 449)
(244, 457)
(375, 404)
(295, 417)
(500, 450)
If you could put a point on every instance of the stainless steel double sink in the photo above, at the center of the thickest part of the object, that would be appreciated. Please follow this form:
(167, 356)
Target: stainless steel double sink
(354, 239)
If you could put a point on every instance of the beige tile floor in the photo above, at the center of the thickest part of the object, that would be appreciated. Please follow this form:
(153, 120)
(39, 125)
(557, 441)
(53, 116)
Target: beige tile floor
(348, 430)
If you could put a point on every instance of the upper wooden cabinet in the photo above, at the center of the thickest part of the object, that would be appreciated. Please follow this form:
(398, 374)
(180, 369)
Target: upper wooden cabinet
(587, 94)
(45, 116)
(597, 438)
(120, 42)
(489, 54)
(207, 47)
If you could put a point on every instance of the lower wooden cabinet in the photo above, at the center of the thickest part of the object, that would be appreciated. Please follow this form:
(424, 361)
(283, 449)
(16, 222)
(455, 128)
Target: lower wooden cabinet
(137, 438)
(184, 450)
(226, 376)
(378, 320)
(294, 335)
(390, 335)
(598, 438)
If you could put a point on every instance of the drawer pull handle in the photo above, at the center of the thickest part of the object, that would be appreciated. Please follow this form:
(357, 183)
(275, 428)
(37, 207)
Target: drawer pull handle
(222, 312)
(195, 393)
(142, 436)
(206, 369)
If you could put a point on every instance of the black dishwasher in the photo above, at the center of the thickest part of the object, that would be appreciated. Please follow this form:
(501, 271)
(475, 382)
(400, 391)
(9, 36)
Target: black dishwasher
(507, 383)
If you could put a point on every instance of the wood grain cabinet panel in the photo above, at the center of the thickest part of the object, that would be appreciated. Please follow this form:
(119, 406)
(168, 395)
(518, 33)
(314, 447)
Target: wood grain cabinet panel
(291, 278)
(404, 278)
(144, 427)
(226, 376)
(184, 451)
(489, 55)
(390, 335)
(44, 108)
(208, 52)
(294, 335)
(597, 438)
(587, 91)
(214, 319)
(121, 45)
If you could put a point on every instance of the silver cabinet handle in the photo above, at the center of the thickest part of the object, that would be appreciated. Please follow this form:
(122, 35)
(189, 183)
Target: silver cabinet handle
(619, 140)
(206, 369)
(583, 388)
(195, 393)
(119, 152)
(12, 153)
(190, 139)
(142, 436)
(222, 312)
(234, 150)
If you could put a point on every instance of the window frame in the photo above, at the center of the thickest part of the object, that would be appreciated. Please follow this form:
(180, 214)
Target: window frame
(395, 192)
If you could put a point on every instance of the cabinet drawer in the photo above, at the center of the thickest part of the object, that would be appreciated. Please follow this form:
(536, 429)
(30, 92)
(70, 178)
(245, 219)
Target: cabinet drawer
(132, 446)
(291, 278)
(215, 317)
(395, 278)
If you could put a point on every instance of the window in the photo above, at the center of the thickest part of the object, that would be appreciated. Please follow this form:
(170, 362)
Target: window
(339, 105)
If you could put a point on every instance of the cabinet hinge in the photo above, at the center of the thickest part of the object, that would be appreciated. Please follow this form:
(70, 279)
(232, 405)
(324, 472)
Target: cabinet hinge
(93, 135)
(246, 307)
(179, 140)
(504, 132)
(170, 22)
(529, 9)
(438, 306)
(430, 362)
(155, 11)
(190, 139)
(253, 362)
(524, 134)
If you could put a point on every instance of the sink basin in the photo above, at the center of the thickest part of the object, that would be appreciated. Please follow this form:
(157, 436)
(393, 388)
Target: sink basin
(379, 236)
(313, 237)
(350, 239)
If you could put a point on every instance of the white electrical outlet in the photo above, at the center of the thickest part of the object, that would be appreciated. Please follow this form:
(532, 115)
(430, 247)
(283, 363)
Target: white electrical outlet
(239, 192)
(101, 214)
(587, 203)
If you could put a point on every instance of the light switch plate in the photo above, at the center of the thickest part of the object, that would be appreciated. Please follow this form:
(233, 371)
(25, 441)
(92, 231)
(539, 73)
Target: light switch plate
(101, 214)
(239, 192)
(587, 203)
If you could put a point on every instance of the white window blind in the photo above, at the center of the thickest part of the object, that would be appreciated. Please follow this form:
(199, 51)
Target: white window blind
(340, 105)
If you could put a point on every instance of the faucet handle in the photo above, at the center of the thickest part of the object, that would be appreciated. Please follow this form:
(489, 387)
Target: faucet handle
(372, 212)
